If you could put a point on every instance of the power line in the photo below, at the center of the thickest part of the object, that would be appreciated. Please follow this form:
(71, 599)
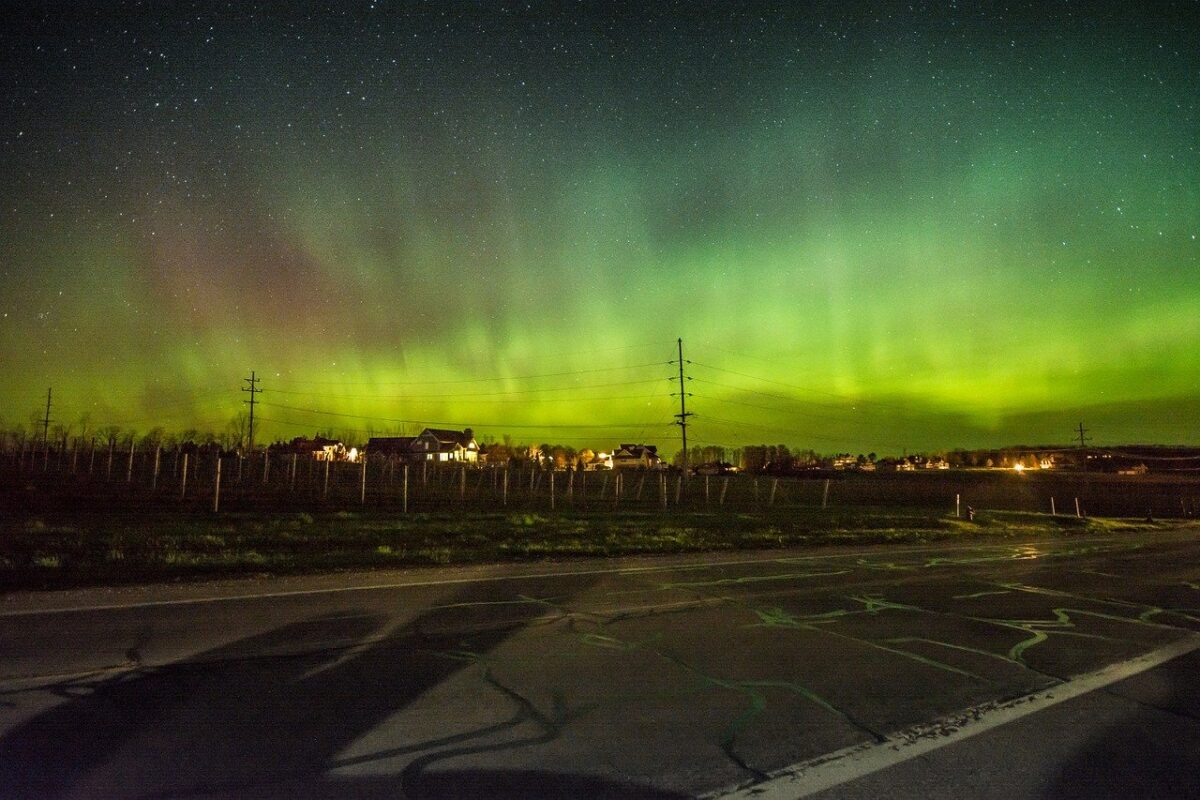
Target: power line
(814, 414)
(459, 424)
(459, 395)
(473, 380)
(309, 426)
(795, 434)
(904, 411)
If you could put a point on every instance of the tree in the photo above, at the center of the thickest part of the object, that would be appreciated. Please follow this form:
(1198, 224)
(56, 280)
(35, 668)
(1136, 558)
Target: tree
(154, 437)
(234, 435)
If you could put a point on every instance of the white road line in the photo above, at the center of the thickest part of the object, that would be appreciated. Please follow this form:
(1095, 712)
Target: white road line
(934, 548)
(842, 766)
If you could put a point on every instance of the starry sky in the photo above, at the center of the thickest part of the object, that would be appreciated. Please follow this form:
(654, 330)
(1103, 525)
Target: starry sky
(876, 226)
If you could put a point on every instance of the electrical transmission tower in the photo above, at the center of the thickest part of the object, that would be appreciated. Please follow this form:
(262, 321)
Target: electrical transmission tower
(251, 387)
(683, 414)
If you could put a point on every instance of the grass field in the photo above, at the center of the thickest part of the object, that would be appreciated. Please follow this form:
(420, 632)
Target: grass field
(68, 550)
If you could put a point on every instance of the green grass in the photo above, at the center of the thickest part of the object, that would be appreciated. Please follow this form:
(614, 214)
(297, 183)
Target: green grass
(52, 551)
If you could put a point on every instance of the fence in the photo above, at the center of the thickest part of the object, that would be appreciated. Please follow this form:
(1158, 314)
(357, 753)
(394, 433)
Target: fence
(110, 476)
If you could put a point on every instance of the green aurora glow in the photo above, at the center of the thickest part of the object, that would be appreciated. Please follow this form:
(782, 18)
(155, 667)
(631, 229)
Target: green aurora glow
(927, 229)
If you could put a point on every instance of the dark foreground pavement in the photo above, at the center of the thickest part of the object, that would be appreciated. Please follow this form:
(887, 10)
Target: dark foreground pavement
(641, 678)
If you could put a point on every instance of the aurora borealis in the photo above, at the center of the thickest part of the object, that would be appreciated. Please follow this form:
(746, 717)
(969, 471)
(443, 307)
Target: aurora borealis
(875, 226)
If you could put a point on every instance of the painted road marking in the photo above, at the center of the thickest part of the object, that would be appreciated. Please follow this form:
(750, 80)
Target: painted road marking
(774, 558)
(842, 766)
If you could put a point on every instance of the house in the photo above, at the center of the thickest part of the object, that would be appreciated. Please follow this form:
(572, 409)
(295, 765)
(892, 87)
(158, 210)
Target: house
(319, 448)
(636, 456)
(391, 446)
(442, 444)
(843, 461)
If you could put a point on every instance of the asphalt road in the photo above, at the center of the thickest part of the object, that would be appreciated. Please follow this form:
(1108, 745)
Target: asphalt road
(657, 677)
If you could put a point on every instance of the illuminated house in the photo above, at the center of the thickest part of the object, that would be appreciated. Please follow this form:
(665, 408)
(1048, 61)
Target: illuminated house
(441, 444)
(636, 456)
(319, 448)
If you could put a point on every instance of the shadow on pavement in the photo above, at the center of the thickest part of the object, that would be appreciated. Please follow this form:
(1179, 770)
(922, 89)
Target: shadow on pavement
(231, 724)
(1153, 750)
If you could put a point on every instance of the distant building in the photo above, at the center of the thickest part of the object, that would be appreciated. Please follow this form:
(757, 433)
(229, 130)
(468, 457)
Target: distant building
(1137, 469)
(595, 461)
(636, 456)
(442, 444)
(844, 461)
(319, 448)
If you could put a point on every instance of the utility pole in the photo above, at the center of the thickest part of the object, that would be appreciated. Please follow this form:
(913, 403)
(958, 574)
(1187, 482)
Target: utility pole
(1083, 440)
(683, 414)
(252, 387)
(46, 421)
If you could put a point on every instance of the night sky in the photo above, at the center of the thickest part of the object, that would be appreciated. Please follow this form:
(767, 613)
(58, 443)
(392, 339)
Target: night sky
(875, 227)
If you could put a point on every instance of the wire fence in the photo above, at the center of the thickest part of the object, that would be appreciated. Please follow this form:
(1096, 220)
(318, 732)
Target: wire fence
(90, 476)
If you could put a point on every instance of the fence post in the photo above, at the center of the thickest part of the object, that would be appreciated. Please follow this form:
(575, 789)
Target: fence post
(957, 505)
(112, 443)
(604, 487)
(462, 486)
(183, 480)
(294, 466)
(662, 489)
(362, 497)
(678, 488)
(571, 487)
(1078, 513)
(551, 490)
(92, 457)
(1053, 511)
(774, 487)
(217, 487)
(706, 491)
(724, 489)
(404, 494)
(825, 495)
(129, 466)
(641, 483)
(266, 466)
(325, 487)
(157, 462)
(504, 490)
